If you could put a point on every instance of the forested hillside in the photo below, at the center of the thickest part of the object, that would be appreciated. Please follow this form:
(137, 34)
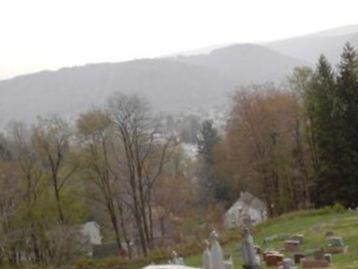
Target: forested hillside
(121, 165)
(170, 84)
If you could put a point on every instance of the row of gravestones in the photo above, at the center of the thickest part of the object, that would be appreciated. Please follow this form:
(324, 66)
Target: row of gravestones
(314, 258)
(213, 255)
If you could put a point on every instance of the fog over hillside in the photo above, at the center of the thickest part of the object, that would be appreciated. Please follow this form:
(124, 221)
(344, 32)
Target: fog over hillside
(309, 47)
(247, 63)
(71, 90)
(171, 84)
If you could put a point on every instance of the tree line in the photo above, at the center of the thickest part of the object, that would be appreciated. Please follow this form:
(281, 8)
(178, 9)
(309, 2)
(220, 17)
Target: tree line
(112, 163)
(295, 147)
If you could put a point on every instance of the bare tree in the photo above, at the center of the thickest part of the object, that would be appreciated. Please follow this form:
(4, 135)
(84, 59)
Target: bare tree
(30, 172)
(27, 162)
(145, 153)
(95, 135)
(10, 203)
(51, 138)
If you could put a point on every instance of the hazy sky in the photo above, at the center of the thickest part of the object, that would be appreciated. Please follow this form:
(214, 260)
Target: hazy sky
(49, 34)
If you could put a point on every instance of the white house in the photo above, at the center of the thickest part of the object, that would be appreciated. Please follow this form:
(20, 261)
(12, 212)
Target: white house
(91, 230)
(247, 208)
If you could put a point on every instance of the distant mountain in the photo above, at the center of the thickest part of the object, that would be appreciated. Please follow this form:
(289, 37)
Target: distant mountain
(172, 84)
(199, 78)
(246, 63)
(168, 84)
(310, 47)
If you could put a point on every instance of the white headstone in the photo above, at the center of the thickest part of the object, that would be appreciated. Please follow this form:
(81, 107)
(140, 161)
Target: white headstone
(181, 261)
(217, 260)
(229, 264)
(176, 259)
(288, 263)
(248, 250)
(207, 256)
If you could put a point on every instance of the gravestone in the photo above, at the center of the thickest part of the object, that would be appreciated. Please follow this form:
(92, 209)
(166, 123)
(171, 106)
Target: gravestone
(228, 263)
(308, 263)
(298, 237)
(181, 260)
(318, 261)
(287, 263)
(335, 245)
(335, 241)
(328, 257)
(257, 249)
(176, 259)
(273, 258)
(292, 245)
(207, 256)
(217, 261)
(297, 257)
(248, 250)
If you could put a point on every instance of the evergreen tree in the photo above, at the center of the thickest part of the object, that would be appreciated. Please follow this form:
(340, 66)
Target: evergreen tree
(319, 104)
(331, 104)
(346, 114)
(207, 140)
(213, 187)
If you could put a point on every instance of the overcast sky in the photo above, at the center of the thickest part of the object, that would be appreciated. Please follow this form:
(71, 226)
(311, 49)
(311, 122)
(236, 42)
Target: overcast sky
(49, 34)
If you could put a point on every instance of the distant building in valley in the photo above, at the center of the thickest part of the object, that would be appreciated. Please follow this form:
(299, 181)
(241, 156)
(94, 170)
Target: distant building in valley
(247, 208)
(92, 231)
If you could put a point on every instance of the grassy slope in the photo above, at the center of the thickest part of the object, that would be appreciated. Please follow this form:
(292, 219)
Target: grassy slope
(313, 227)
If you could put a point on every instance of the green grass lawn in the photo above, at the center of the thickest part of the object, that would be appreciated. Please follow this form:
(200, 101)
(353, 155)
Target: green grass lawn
(312, 224)
(313, 227)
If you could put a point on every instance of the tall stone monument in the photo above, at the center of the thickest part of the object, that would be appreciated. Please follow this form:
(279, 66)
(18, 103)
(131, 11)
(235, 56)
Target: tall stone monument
(207, 255)
(217, 260)
(248, 250)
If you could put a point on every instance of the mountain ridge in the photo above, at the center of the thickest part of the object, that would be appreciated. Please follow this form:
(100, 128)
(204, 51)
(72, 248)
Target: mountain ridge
(310, 47)
(170, 84)
(173, 84)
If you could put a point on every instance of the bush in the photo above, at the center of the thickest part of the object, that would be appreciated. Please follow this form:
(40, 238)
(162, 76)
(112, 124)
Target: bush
(107, 263)
(338, 208)
(158, 255)
(84, 263)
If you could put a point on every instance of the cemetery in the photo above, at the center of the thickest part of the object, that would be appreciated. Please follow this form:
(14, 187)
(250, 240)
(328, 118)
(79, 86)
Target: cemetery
(293, 241)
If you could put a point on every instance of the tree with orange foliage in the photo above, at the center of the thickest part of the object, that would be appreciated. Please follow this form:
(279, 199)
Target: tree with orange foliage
(264, 149)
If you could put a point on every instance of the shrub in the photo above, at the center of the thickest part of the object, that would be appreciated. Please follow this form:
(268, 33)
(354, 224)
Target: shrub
(84, 263)
(338, 208)
(158, 255)
(108, 263)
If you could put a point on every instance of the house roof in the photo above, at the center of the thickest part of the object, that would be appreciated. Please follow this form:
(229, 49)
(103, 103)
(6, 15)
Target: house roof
(250, 200)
